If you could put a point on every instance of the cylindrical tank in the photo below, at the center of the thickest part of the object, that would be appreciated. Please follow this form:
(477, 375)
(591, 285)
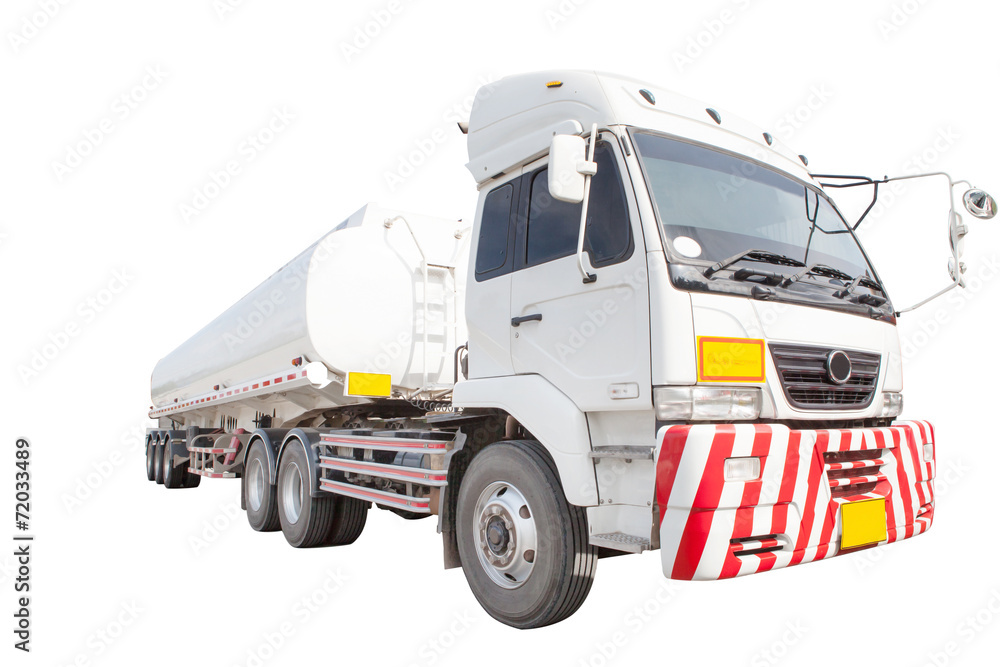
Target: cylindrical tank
(354, 300)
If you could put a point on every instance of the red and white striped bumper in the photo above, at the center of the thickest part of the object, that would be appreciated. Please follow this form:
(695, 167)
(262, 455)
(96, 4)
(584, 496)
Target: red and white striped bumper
(713, 529)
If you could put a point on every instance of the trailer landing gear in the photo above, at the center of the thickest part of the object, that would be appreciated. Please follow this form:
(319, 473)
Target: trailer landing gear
(524, 549)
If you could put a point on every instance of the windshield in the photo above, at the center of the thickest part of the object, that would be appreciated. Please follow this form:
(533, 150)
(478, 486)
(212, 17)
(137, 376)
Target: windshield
(713, 206)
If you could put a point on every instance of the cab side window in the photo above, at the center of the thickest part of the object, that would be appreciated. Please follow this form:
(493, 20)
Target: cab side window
(492, 254)
(553, 226)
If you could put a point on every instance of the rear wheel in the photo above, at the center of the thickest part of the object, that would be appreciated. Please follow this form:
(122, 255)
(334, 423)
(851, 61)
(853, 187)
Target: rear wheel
(258, 494)
(349, 518)
(524, 549)
(150, 458)
(158, 463)
(174, 476)
(305, 521)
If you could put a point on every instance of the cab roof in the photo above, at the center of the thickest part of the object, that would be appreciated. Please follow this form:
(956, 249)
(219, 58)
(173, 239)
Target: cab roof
(513, 119)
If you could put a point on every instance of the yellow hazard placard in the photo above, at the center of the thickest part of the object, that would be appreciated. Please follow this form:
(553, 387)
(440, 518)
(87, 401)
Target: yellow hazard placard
(730, 359)
(862, 523)
(368, 384)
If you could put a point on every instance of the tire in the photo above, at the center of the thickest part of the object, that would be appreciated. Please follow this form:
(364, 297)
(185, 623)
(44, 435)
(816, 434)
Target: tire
(174, 476)
(259, 495)
(150, 458)
(349, 518)
(158, 463)
(191, 481)
(305, 521)
(524, 550)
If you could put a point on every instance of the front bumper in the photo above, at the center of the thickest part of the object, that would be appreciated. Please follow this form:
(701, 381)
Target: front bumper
(713, 529)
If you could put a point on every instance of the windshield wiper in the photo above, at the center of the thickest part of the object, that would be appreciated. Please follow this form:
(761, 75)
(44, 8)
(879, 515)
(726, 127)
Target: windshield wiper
(755, 256)
(819, 270)
(863, 281)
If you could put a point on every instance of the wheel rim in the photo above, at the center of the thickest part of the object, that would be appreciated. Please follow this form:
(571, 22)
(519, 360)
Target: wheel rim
(506, 539)
(291, 495)
(255, 485)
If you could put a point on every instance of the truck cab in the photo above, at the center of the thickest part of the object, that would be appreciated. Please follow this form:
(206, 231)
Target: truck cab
(714, 368)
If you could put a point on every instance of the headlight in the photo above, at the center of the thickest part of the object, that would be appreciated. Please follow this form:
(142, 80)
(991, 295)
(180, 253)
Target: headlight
(707, 403)
(892, 404)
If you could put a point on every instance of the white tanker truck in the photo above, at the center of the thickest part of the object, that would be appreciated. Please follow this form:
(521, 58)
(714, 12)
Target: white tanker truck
(659, 333)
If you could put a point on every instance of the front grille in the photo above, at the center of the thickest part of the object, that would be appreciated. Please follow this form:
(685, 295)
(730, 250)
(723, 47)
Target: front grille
(804, 378)
(854, 473)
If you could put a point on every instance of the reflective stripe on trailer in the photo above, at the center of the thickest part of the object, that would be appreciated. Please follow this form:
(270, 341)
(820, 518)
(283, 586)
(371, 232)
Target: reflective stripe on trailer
(229, 395)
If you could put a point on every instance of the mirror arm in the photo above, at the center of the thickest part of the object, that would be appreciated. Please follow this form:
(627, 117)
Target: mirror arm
(957, 279)
(588, 169)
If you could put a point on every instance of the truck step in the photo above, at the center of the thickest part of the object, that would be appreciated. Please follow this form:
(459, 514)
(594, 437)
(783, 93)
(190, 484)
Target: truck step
(627, 452)
(399, 501)
(621, 542)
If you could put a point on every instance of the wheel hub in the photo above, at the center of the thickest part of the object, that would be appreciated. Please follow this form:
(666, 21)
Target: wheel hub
(505, 534)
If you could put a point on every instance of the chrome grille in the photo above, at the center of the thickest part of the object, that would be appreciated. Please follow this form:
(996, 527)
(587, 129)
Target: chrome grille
(802, 370)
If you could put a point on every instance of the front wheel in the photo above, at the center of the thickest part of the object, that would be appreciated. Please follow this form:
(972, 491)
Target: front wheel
(524, 549)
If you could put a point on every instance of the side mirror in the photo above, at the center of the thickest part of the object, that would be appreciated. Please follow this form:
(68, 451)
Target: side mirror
(980, 204)
(566, 182)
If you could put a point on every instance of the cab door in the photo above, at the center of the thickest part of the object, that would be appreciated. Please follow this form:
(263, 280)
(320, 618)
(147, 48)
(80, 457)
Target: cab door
(590, 340)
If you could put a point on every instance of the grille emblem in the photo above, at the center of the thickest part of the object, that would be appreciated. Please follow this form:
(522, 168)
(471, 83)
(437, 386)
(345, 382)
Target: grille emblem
(838, 367)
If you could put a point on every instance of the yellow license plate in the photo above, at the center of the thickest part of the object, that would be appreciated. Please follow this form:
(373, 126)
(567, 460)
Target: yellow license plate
(862, 523)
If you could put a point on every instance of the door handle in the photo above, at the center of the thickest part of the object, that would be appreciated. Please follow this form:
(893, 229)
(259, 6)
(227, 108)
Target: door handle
(516, 321)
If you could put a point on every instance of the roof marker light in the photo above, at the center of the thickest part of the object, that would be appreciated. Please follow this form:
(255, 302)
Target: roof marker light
(715, 115)
(648, 96)
(554, 84)
(768, 138)
(804, 159)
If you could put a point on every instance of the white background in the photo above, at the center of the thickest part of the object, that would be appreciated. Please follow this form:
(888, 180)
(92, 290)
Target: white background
(870, 86)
